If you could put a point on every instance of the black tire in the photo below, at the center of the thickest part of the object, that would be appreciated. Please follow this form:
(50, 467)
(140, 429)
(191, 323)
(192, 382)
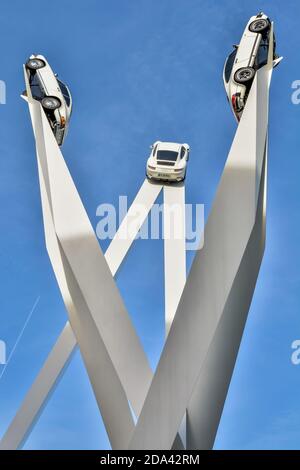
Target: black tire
(244, 75)
(35, 64)
(259, 26)
(51, 103)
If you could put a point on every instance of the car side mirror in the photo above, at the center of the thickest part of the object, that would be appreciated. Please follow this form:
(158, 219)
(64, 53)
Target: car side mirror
(151, 146)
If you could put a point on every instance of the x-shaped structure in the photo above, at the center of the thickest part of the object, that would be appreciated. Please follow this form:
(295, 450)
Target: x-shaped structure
(205, 316)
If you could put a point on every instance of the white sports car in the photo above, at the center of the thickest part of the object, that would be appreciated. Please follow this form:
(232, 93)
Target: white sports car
(250, 55)
(53, 94)
(167, 162)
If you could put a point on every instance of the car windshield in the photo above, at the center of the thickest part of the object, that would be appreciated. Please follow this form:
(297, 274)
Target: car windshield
(167, 155)
(64, 91)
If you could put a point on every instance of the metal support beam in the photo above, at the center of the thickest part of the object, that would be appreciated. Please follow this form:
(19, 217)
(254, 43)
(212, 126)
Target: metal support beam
(40, 391)
(174, 261)
(203, 302)
(174, 249)
(206, 405)
(59, 357)
(209, 395)
(97, 314)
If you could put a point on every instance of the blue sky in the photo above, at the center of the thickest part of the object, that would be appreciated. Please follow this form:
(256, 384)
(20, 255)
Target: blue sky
(140, 71)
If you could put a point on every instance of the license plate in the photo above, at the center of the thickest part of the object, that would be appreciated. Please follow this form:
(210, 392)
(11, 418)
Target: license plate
(163, 175)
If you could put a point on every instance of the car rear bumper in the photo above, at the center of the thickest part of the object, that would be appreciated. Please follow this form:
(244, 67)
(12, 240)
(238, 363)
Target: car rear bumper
(162, 175)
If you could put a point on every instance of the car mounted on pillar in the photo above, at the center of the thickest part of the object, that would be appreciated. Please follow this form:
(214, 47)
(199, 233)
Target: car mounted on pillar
(168, 162)
(54, 95)
(250, 55)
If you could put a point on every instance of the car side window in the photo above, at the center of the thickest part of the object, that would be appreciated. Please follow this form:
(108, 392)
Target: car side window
(64, 91)
(182, 152)
(35, 87)
(229, 65)
(154, 150)
(263, 51)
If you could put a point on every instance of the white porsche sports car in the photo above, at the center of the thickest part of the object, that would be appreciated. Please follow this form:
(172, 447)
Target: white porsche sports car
(250, 55)
(53, 94)
(168, 162)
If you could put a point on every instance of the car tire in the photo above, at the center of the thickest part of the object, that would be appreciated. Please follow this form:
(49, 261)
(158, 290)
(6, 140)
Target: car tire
(51, 103)
(244, 75)
(35, 64)
(259, 26)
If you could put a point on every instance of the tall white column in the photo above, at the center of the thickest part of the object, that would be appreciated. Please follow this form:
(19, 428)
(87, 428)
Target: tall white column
(211, 279)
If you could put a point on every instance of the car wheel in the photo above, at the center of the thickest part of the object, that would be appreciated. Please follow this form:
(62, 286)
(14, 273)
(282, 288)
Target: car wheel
(244, 75)
(35, 64)
(259, 26)
(51, 102)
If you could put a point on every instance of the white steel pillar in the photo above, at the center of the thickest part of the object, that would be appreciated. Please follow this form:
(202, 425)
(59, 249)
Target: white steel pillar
(174, 249)
(203, 303)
